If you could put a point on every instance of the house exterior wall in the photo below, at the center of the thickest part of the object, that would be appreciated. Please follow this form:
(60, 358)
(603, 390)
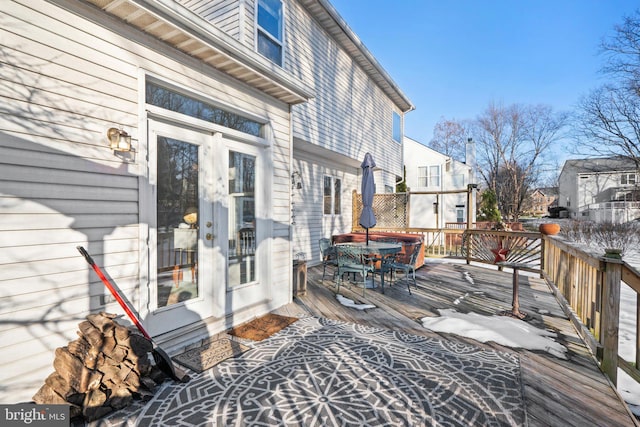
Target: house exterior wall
(539, 202)
(453, 175)
(568, 189)
(589, 183)
(69, 74)
(309, 220)
(234, 17)
(348, 116)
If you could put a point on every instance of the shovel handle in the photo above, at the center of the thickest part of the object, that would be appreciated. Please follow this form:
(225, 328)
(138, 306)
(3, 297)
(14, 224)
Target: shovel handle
(113, 291)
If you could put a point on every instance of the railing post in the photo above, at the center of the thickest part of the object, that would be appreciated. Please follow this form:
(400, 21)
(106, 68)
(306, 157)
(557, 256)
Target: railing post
(543, 256)
(611, 313)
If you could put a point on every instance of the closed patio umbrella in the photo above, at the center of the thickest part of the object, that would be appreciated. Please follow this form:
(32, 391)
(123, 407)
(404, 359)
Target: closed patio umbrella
(368, 189)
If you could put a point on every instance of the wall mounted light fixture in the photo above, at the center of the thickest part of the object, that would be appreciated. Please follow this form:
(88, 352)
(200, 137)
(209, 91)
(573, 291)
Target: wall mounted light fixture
(296, 180)
(119, 140)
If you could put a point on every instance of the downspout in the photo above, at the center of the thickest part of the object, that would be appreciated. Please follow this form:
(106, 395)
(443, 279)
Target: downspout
(290, 202)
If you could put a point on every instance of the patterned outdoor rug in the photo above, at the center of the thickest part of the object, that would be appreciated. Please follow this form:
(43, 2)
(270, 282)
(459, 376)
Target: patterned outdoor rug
(202, 358)
(262, 327)
(319, 372)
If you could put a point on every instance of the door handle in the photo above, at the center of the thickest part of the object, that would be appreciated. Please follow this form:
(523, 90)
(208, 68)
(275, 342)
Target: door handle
(208, 236)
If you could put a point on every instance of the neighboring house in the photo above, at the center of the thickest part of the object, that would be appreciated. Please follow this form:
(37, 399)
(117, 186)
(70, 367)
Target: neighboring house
(600, 189)
(233, 109)
(541, 200)
(442, 182)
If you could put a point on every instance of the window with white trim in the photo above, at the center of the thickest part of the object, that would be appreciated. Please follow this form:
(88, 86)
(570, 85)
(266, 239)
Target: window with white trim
(423, 176)
(397, 127)
(434, 176)
(331, 195)
(628, 179)
(270, 29)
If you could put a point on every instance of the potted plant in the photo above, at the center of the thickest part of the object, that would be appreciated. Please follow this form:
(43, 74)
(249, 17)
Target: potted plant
(549, 228)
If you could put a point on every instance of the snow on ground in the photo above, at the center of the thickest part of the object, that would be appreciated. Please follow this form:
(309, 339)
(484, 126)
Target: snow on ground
(350, 303)
(502, 330)
(484, 329)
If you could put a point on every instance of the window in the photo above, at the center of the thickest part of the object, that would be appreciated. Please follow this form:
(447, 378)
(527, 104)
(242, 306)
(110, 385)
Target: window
(174, 101)
(397, 128)
(434, 176)
(429, 176)
(332, 193)
(459, 215)
(628, 179)
(270, 29)
(423, 179)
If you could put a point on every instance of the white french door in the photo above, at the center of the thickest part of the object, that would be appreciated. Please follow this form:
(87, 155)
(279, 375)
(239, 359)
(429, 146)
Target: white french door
(183, 277)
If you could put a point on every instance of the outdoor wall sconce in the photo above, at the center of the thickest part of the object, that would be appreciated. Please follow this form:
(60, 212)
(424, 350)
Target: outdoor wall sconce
(296, 180)
(119, 140)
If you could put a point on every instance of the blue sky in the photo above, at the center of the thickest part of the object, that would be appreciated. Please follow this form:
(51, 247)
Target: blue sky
(454, 57)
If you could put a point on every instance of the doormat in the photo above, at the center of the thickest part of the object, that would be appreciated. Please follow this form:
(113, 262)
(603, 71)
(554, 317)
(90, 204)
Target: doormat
(202, 358)
(262, 327)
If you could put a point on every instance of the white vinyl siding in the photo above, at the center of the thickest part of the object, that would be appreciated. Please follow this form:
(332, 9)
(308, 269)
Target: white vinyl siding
(310, 222)
(349, 114)
(227, 15)
(66, 80)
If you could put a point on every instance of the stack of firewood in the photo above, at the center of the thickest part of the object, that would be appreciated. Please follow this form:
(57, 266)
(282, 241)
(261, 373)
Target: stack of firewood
(103, 370)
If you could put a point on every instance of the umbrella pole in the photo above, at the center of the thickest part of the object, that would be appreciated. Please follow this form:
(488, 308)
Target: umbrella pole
(367, 236)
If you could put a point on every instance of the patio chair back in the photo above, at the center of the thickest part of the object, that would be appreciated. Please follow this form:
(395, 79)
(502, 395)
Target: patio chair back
(408, 265)
(328, 254)
(350, 260)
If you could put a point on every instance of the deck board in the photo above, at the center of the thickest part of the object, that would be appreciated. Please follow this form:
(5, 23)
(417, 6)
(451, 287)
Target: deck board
(557, 392)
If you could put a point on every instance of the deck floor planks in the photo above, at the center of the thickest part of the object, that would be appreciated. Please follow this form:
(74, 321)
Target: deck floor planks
(557, 392)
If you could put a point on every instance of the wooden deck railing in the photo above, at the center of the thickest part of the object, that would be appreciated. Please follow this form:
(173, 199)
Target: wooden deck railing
(591, 287)
(588, 286)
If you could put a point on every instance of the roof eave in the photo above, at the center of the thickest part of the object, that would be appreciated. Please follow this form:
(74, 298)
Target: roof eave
(333, 23)
(194, 36)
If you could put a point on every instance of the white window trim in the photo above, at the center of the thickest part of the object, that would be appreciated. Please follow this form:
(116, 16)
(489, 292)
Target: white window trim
(333, 195)
(265, 32)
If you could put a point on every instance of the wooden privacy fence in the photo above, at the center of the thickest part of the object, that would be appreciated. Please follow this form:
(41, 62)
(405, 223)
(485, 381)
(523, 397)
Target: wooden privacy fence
(591, 287)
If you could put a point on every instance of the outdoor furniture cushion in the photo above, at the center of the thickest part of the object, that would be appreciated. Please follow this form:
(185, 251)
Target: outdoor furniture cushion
(407, 240)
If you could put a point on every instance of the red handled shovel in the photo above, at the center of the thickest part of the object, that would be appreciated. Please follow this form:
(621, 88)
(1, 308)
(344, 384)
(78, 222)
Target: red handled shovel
(163, 361)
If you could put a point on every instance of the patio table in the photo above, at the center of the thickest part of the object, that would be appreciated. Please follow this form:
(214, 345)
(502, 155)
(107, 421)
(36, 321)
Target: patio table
(375, 251)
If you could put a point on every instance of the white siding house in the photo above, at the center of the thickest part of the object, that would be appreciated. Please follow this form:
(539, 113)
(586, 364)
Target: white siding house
(600, 189)
(443, 178)
(194, 223)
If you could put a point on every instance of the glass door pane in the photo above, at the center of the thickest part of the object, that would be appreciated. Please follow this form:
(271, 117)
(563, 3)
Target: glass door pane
(178, 203)
(242, 215)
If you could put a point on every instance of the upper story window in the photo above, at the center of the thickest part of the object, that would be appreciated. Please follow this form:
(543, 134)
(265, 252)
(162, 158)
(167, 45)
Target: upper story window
(270, 29)
(174, 101)
(628, 179)
(423, 176)
(397, 128)
(429, 176)
(434, 176)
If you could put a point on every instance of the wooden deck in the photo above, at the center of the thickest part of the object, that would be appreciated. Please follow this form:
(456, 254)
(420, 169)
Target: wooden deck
(557, 392)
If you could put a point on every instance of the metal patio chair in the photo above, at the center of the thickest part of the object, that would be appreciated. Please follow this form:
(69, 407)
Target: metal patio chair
(351, 260)
(328, 253)
(407, 265)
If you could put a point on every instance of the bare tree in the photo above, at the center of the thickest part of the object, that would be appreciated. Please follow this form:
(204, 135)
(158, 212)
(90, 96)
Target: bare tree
(449, 138)
(511, 142)
(609, 117)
